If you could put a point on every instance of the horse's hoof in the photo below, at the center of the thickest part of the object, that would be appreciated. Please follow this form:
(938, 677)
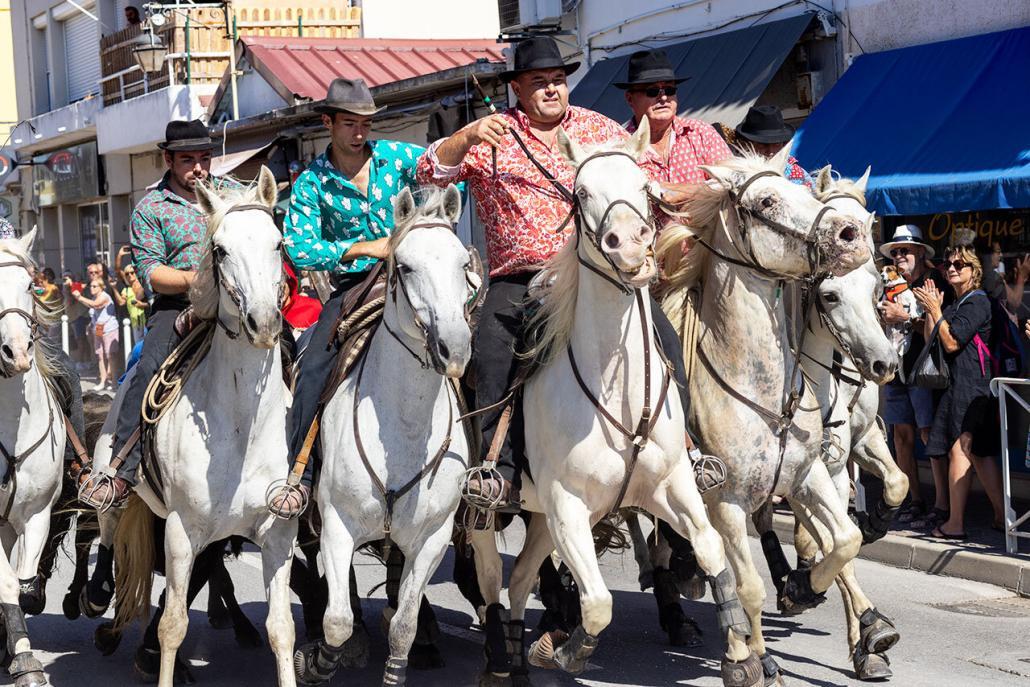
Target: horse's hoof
(878, 633)
(646, 579)
(247, 636)
(70, 606)
(312, 666)
(425, 657)
(147, 665)
(798, 595)
(36, 679)
(488, 679)
(32, 595)
(572, 655)
(88, 608)
(746, 673)
(106, 639)
(355, 649)
(872, 666)
(541, 652)
(27, 671)
(771, 672)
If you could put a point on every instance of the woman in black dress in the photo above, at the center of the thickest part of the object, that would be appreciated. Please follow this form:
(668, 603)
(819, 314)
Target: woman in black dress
(964, 428)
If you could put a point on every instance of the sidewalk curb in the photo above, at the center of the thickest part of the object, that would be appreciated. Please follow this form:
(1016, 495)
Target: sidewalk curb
(935, 558)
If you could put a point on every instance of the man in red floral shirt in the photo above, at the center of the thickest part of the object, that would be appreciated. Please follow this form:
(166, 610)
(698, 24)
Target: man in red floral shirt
(522, 212)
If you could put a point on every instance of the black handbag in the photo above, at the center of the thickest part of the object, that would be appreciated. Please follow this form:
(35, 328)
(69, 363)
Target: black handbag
(930, 369)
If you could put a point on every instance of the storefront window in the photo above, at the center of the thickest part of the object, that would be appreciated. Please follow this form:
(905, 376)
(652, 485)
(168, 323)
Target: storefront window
(95, 232)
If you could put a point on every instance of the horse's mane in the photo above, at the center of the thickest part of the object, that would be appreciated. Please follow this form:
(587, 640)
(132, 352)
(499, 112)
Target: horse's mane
(550, 324)
(683, 272)
(204, 290)
(45, 351)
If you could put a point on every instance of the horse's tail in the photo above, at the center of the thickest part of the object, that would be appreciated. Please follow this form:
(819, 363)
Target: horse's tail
(134, 563)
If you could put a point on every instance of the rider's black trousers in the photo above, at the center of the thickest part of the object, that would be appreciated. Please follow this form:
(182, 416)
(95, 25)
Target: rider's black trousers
(70, 396)
(495, 364)
(160, 341)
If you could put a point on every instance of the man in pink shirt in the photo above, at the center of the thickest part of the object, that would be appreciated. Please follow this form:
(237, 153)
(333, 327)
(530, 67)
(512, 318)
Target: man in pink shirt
(523, 216)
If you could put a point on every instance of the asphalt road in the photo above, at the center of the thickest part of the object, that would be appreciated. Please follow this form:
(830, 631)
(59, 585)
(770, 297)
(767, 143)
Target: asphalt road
(953, 633)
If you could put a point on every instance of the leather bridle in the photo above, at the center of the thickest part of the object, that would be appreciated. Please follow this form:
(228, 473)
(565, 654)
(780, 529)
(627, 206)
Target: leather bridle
(217, 256)
(35, 326)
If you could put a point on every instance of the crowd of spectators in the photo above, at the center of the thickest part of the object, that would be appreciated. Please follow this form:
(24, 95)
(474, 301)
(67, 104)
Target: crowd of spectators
(965, 315)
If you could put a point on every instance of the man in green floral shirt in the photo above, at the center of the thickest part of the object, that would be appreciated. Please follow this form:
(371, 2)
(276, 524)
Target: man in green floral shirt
(165, 232)
(339, 221)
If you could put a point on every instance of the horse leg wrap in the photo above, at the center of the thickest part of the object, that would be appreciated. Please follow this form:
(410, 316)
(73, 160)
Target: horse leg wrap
(871, 666)
(514, 634)
(394, 571)
(779, 568)
(874, 525)
(17, 630)
(746, 673)
(572, 655)
(317, 662)
(32, 594)
(770, 670)
(394, 675)
(877, 632)
(496, 646)
(728, 610)
(798, 594)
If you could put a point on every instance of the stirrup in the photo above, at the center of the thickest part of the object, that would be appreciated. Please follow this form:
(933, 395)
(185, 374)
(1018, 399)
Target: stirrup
(709, 471)
(490, 499)
(90, 483)
(288, 489)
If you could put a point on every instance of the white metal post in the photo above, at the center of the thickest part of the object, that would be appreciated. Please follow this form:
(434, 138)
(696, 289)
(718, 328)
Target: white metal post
(127, 341)
(64, 335)
(1001, 387)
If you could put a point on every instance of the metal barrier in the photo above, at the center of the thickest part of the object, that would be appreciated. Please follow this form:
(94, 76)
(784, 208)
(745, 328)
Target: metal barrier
(127, 341)
(65, 342)
(1004, 387)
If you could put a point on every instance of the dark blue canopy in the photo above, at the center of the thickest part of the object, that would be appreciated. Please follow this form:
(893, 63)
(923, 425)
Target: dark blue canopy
(945, 126)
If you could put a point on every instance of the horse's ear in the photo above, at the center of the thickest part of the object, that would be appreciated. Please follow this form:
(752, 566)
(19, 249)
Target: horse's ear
(28, 239)
(267, 191)
(207, 199)
(638, 143)
(863, 181)
(569, 149)
(823, 180)
(779, 160)
(721, 175)
(403, 206)
(452, 204)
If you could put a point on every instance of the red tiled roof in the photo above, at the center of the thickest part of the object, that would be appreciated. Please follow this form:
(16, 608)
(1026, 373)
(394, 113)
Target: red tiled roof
(305, 66)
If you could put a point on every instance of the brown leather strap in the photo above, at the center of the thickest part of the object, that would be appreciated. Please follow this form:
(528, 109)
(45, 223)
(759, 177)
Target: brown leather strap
(80, 451)
(500, 432)
(120, 457)
(300, 462)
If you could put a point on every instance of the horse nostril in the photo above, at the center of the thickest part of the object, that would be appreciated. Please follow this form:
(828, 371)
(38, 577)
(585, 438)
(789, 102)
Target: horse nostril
(879, 368)
(445, 352)
(612, 241)
(252, 323)
(7, 352)
(848, 234)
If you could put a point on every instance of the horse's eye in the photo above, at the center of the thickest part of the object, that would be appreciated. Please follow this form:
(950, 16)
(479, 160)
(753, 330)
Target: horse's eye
(218, 252)
(403, 269)
(582, 193)
(831, 298)
(768, 202)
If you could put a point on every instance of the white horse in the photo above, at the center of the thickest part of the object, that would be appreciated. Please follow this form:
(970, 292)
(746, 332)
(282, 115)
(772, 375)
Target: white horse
(393, 455)
(603, 427)
(32, 442)
(224, 440)
(755, 230)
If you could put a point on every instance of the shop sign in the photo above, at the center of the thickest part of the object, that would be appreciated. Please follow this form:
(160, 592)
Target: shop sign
(1010, 228)
(68, 175)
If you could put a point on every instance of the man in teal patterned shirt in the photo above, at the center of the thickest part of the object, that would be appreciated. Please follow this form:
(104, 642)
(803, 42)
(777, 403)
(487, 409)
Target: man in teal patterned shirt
(339, 221)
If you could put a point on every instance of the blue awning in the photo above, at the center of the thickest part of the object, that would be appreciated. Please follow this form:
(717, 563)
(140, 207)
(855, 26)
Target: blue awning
(727, 72)
(945, 126)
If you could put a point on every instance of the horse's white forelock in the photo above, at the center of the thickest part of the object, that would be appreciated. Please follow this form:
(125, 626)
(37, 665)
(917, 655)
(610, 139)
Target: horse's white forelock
(847, 187)
(204, 291)
(45, 351)
(430, 209)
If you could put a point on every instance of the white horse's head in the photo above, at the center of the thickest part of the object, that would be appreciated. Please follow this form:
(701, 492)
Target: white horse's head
(241, 274)
(615, 213)
(432, 278)
(783, 227)
(848, 304)
(18, 308)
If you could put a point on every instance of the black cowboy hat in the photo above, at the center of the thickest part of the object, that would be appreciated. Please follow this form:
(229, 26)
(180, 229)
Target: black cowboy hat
(647, 67)
(188, 136)
(764, 124)
(539, 52)
(349, 95)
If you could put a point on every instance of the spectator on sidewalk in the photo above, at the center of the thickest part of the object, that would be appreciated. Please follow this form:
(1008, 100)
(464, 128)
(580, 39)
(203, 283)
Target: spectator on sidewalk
(104, 325)
(907, 407)
(964, 425)
(135, 304)
(78, 319)
(7, 230)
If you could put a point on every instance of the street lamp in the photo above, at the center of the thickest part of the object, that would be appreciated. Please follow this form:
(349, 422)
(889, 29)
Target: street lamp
(150, 52)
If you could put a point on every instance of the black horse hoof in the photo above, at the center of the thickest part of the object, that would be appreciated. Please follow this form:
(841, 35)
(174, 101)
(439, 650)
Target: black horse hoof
(877, 632)
(32, 595)
(314, 665)
(425, 657)
(92, 608)
(70, 606)
(798, 595)
(247, 636)
(106, 639)
(872, 666)
(147, 667)
(572, 655)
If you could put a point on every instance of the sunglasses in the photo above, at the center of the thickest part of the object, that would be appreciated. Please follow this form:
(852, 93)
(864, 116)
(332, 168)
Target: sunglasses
(900, 252)
(958, 265)
(129, 272)
(655, 91)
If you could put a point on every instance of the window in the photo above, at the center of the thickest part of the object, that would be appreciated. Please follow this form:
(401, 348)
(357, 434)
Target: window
(82, 56)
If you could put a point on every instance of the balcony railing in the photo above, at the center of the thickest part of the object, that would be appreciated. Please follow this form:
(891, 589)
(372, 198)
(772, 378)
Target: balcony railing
(198, 47)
